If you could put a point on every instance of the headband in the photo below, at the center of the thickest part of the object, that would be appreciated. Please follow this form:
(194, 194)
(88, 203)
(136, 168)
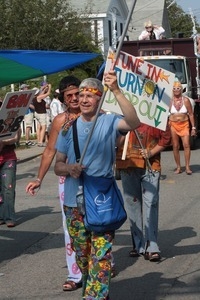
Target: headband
(91, 90)
(71, 87)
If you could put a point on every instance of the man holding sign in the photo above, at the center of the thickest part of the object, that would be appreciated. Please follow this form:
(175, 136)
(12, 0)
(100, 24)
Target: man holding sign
(93, 250)
(140, 174)
(12, 113)
(8, 163)
(148, 88)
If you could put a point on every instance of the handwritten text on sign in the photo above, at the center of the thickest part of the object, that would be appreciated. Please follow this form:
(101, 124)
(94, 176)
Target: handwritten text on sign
(146, 86)
(12, 112)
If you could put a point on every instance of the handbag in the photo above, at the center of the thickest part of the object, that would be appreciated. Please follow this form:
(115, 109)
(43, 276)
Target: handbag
(104, 204)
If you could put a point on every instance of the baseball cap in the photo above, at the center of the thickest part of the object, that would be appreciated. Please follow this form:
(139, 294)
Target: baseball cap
(23, 86)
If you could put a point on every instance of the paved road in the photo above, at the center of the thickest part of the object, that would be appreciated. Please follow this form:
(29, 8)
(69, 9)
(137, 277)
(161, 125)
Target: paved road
(32, 254)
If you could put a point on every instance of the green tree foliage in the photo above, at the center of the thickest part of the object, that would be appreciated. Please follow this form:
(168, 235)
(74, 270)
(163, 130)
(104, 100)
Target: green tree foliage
(43, 24)
(48, 25)
(180, 21)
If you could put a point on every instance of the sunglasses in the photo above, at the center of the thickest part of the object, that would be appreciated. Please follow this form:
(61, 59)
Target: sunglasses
(176, 88)
(148, 27)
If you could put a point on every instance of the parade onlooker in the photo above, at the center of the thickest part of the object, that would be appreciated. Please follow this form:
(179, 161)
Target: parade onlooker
(8, 163)
(44, 88)
(151, 32)
(68, 94)
(180, 118)
(56, 105)
(141, 182)
(40, 113)
(93, 250)
(28, 118)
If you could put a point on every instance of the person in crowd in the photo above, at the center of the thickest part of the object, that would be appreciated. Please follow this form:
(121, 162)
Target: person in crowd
(68, 95)
(56, 105)
(40, 113)
(8, 166)
(44, 89)
(181, 118)
(151, 32)
(93, 251)
(140, 175)
(28, 118)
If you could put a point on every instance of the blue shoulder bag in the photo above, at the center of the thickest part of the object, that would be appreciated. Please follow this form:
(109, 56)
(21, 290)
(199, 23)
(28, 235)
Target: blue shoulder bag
(104, 205)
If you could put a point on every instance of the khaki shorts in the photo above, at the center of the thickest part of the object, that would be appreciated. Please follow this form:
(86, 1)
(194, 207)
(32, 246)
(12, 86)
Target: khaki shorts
(28, 119)
(41, 118)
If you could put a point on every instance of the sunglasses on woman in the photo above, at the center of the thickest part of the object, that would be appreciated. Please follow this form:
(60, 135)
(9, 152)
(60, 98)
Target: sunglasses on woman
(176, 88)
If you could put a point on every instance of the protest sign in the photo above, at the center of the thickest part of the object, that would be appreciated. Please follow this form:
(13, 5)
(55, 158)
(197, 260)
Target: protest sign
(146, 86)
(13, 109)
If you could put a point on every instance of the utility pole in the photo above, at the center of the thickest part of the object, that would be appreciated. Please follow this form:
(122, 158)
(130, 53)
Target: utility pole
(196, 39)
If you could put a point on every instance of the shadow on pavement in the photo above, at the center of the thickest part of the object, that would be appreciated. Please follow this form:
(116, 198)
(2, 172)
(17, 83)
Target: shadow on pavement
(15, 241)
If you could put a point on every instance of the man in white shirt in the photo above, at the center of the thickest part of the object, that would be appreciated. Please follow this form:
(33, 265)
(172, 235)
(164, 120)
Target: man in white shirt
(151, 32)
(56, 106)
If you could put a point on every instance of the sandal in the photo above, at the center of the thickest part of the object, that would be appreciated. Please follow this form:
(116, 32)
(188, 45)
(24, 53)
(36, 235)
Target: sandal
(188, 172)
(134, 253)
(178, 171)
(154, 256)
(70, 286)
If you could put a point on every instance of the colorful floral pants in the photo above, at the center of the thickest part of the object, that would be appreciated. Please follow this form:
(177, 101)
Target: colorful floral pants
(93, 256)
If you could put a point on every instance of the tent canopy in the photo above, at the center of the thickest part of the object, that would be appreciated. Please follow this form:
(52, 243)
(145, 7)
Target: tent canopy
(19, 65)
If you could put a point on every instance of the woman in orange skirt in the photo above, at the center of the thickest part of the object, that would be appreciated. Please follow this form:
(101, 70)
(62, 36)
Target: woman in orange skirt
(180, 118)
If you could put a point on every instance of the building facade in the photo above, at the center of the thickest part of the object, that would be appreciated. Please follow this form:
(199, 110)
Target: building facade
(145, 10)
(107, 20)
(109, 17)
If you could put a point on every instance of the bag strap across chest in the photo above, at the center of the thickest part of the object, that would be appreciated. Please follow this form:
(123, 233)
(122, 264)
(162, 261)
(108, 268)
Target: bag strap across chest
(75, 140)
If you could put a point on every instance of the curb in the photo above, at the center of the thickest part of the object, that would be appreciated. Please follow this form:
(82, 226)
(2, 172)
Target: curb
(23, 160)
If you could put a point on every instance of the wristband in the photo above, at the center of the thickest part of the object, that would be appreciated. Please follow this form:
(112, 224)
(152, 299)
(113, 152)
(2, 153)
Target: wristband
(38, 179)
(193, 127)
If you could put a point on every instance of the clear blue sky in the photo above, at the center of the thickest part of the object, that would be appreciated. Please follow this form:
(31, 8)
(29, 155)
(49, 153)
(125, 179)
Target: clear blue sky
(193, 4)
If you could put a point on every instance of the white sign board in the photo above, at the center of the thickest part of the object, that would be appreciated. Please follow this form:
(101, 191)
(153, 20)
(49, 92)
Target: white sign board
(13, 109)
(146, 86)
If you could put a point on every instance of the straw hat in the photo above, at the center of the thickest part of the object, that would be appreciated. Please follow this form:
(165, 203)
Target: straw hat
(148, 24)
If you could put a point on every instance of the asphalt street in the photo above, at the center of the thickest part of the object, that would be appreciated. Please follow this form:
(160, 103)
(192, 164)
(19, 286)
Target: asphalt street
(32, 255)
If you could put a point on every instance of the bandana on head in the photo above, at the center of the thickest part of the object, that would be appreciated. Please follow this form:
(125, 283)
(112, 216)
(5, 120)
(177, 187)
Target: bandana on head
(71, 87)
(91, 90)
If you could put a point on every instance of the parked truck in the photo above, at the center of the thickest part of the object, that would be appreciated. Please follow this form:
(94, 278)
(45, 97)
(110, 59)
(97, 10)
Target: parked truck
(177, 55)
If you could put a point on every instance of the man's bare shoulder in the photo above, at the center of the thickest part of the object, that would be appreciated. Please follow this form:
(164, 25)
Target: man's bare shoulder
(60, 119)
